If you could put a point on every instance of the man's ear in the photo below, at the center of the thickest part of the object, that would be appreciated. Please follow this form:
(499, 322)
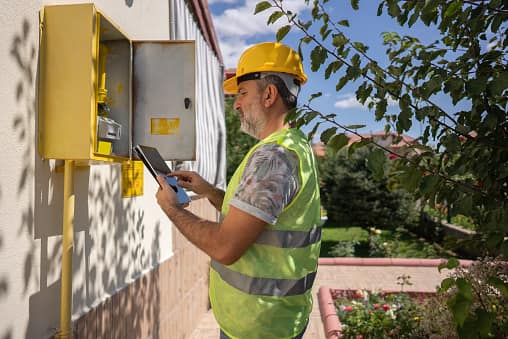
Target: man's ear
(270, 95)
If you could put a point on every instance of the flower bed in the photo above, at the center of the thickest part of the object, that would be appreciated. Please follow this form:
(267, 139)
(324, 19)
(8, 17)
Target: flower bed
(369, 314)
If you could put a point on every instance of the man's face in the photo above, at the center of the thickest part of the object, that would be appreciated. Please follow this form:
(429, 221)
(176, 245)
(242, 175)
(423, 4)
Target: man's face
(248, 103)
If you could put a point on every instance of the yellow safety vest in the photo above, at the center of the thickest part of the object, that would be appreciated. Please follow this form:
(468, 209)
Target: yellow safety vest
(267, 292)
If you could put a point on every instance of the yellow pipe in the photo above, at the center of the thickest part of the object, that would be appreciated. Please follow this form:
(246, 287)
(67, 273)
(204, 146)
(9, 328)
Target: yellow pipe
(65, 331)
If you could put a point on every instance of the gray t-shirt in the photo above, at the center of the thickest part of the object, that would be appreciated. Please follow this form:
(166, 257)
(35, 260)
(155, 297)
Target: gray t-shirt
(269, 182)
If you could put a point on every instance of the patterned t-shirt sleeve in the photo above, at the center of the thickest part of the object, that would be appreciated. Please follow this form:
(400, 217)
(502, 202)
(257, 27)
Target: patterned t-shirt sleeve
(269, 182)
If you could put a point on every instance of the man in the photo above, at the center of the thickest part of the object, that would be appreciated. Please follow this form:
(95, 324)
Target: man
(265, 250)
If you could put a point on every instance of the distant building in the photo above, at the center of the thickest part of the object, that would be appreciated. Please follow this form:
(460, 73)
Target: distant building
(400, 144)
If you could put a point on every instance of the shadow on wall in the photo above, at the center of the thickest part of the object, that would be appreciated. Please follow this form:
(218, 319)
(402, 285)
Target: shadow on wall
(4, 286)
(23, 53)
(108, 230)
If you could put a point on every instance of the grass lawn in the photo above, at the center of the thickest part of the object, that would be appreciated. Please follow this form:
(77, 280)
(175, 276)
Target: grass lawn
(397, 243)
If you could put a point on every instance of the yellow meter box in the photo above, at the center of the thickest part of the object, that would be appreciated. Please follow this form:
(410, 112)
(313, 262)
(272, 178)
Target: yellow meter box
(101, 93)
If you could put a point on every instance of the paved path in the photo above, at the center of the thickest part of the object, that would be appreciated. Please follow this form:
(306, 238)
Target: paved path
(424, 278)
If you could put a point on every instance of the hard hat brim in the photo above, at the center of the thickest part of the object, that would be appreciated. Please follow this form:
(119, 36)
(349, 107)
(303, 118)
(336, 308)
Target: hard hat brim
(230, 86)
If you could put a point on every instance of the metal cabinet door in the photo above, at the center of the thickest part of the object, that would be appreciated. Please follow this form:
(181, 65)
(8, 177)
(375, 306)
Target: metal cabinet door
(163, 97)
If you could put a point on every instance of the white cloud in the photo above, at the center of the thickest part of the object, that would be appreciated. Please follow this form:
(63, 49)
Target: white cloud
(222, 2)
(348, 100)
(238, 23)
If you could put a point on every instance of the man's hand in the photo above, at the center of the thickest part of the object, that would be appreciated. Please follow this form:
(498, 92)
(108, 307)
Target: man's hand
(192, 181)
(166, 196)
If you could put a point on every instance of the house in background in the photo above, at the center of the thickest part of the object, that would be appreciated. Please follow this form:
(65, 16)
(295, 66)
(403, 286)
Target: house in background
(401, 145)
(133, 274)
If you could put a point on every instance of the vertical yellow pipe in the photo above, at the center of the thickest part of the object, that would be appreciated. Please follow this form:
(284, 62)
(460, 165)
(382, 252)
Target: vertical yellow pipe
(65, 331)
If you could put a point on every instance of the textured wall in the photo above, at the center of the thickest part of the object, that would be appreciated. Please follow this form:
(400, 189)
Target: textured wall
(118, 242)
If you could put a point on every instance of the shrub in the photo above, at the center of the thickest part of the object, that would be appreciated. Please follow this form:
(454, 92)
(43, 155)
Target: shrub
(472, 303)
(238, 143)
(352, 196)
(366, 314)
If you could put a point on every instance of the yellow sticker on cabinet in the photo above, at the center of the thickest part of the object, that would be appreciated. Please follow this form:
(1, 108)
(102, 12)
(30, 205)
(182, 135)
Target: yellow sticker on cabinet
(132, 178)
(165, 126)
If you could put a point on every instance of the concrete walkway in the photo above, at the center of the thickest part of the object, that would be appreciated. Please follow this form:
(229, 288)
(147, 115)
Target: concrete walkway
(352, 273)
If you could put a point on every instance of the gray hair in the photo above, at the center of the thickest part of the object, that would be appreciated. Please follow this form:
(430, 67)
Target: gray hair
(289, 99)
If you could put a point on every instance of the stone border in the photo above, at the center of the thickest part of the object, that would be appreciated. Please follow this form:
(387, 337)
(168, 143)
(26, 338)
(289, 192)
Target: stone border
(387, 262)
(329, 316)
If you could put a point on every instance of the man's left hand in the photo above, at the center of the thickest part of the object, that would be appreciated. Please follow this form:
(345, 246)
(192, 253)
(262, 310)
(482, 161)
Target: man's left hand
(166, 196)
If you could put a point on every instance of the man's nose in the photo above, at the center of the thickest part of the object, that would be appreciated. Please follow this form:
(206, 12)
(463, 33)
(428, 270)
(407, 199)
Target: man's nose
(236, 104)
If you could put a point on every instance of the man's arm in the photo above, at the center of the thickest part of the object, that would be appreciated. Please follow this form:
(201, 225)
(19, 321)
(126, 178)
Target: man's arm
(224, 242)
(194, 182)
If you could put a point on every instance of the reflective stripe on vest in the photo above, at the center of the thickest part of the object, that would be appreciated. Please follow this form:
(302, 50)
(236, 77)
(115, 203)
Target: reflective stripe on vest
(289, 239)
(264, 286)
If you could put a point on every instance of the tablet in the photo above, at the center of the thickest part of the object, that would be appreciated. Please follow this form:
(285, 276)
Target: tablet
(157, 166)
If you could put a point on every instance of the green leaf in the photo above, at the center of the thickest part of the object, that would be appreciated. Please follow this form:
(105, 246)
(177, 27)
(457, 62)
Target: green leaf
(354, 4)
(332, 68)
(484, 322)
(274, 17)
(317, 56)
(477, 86)
(353, 72)
(393, 9)
(293, 115)
(464, 288)
(460, 308)
(282, 32)
(429, 184)
(342, 82)
(376, 162)
(410, 178)
(499, 284)
(344, 23)
(404, 120)
(261, 6)
(354, 126)
(465, 204)
(452, 143)
(309, 116)
(499, 84)
(338, 141)
(360, 46)
(339, 40)
(315, 95)
(446, 284)
(327, 134)
(381, 109)
(450, 264)
(452, 9)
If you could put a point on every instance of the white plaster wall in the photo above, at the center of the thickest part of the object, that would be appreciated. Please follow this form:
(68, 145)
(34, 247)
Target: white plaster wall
(116, 239)
(19, 250)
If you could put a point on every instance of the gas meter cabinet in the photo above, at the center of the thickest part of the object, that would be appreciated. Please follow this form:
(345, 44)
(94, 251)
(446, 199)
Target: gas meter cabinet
(100, 92)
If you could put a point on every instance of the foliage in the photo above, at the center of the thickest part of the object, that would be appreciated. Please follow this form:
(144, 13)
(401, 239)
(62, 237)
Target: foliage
(472, 303)
(352, 195)
(366, 314)
(344, 248)
(238, 143)
(463, 152)
(458, 219)
(337, 242)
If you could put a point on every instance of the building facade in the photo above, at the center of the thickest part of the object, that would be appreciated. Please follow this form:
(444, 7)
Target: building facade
(133, 274)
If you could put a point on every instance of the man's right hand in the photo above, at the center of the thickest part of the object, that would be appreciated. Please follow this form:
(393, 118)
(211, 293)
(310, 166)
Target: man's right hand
(192, 181)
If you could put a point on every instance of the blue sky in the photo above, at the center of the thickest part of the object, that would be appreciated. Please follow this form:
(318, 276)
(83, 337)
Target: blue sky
(237, 28)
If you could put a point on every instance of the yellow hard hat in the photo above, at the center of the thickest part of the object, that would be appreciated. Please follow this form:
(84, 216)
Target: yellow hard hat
(272, 57)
